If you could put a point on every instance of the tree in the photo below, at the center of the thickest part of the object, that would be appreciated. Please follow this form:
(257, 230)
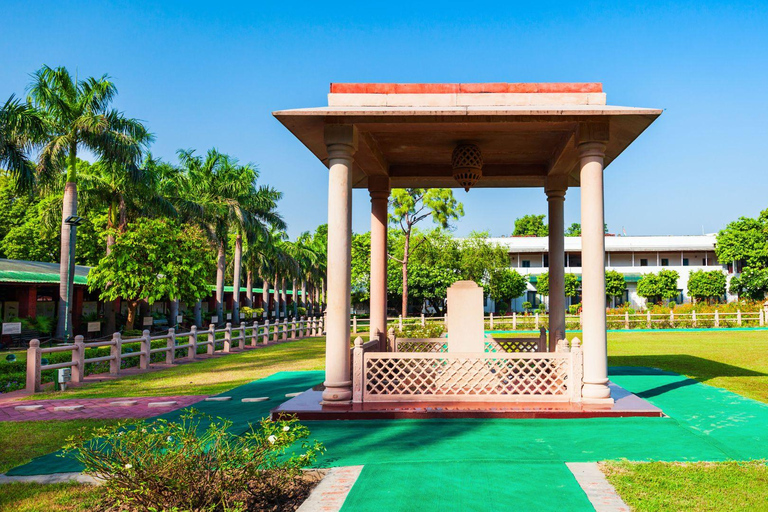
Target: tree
(751, 284)
(744, 240)
(615, 285)
(656, 287)
(20, 127)
(76, 115)
(153, 260)
(703, 285)
(506, 285)
(571, 289)
(573, 230)
(478, 257)
(530, 225)
(412, 205)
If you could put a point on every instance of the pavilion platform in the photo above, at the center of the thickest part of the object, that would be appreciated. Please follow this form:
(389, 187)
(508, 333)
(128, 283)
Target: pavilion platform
(307, 407)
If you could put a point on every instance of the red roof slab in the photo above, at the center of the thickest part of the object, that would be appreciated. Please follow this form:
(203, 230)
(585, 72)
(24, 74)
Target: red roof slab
(498, 87)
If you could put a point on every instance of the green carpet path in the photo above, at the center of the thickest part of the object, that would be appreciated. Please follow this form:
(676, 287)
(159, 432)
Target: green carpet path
(474, 464)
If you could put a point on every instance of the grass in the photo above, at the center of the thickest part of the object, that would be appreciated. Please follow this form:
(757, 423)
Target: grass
(701, 486)
(29, 497)
(22, 441)
(208, 377)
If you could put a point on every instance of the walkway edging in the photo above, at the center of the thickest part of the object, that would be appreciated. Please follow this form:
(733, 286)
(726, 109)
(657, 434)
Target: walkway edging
(331, 492)
(598, 489)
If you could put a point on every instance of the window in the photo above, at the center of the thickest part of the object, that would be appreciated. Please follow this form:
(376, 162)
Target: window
(643, 262)
(574, 260)
(664, 262)
(546, 260)
(526, 263)
(685, 262)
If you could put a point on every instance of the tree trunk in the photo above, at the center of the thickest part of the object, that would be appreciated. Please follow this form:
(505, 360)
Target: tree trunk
(68, 238)
(198, 314)
(174, 310)
(249, 290)
(284, 297)
(131, 319)
(265, 297)
(406, 253)
(236, 288)
(276, 296)
(295, 299)
(220, 268)
(324, 297)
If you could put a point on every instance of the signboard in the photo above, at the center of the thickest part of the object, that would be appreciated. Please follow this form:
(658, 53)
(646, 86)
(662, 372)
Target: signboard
(148, 320)
(65, 375)
(12, 328)
(229, 316)
(94, 326)
(214, 319)
(179, 319)
(10, 310)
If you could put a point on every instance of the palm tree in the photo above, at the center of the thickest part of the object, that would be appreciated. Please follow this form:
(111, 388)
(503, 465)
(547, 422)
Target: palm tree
(20, 127)
(77, 115)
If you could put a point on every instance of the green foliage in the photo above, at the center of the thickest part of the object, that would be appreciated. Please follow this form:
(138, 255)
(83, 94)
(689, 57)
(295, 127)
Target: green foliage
(506, 285)
(615, 285)
(361, 265)
(411, 205)
(478, 257)
(527, 305)
(197, 463)
(530, 225)
(744, 240)
(655, 287)
(751, 284)
(573, 230)
(703, 285)
(574, 309)
(430, 330)
(572, 284)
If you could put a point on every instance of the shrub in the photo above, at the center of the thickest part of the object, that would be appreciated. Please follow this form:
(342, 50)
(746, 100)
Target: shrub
(301, 310)
(417, 331)
(196, 463)
(527, 305)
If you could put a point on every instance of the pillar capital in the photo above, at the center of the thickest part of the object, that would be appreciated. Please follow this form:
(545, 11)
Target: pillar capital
(556, 187)
(592, 149)
(378, 187)
(341, 140)
(593, 131)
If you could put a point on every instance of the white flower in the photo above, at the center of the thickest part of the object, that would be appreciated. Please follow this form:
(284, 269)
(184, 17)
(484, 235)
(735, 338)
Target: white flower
(169, 439)
(144, 430)
(128, 466)
(245, 450)
(286, 428)
(271, 439)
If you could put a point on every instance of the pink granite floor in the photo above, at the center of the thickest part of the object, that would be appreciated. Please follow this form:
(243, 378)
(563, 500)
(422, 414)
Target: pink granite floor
(95, 408)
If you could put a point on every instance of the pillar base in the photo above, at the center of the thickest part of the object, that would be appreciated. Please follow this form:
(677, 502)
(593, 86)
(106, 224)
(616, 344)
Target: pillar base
(596, 392)
(337, 393)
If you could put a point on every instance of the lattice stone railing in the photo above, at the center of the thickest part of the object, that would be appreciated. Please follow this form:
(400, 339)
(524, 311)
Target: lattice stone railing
(521, 376)
(421, 345)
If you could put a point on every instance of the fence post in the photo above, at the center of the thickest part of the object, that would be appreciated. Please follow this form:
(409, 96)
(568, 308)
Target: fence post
(693, 318)
(241, 341)
(265, 340)
(423, 320)
(212, 339)
(33, 366)
(761, 318)
(78, 358)
(542, 344)
(626, 319)
(254, 334)
(537, 321)
(146, 345)
(293, 329)
(357, 371)
(491, 324)
(301, 327)
(228, 337)
(648, 321)
(400, 322)
(580, 321)
(672, 317)
(276, 329)
(116, 351)
(717, 318)
(192, 349)
(738, 317)
(354, 324)
(170, 346)
(284, 334)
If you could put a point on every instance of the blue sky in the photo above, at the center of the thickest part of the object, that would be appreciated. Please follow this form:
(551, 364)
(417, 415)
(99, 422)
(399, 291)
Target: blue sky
(209, 74)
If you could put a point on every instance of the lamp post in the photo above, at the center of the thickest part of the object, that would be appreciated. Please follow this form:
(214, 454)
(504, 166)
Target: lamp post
(72, 221)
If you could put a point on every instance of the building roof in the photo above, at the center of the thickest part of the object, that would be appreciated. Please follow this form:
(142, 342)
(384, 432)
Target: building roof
(20, 271)
(615, 243)
(527, 132)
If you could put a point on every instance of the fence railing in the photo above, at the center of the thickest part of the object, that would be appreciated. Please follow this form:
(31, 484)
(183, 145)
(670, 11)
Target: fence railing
(627, 320)
(223, 340)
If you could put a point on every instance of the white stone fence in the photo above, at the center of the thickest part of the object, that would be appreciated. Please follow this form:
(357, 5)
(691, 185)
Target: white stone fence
(230, 338)
(627, 320)
(488, 376)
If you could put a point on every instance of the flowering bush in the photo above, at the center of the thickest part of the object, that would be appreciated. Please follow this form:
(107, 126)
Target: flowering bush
(196, 463)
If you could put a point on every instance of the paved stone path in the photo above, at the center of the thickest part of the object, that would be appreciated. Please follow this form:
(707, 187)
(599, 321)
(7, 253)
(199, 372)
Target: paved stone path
(94, 408)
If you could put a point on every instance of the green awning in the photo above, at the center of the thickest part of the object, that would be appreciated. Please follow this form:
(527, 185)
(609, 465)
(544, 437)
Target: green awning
(15, 276)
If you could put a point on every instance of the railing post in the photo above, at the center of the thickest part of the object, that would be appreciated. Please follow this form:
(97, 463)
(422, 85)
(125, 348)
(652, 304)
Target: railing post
(170, 346)
(116, 351)
(537, 322)
(241, 341)
(400, 322)
(300, 332)
(514, 320)
(738, 317)
(254, 333)
(717, 318)
(693, 318)
(265, 340)
(357, 371)
(276, 329)
(672, 317)
(146, 345)
(284, 335)
(192, 349)
(313, 326)
(490, 325)
(228, 338)
(78, 358)
(423, 320)
(391, 340)
(581, 320)
(626, 319)
(577, 370)
(761, 318)
(212, 339)
(33, 367)
(293, 329)
(648, 321)
(354, 324)
(543, 340)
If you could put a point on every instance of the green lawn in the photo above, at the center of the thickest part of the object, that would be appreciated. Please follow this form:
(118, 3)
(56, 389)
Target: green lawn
(29, 497)
(701, 486)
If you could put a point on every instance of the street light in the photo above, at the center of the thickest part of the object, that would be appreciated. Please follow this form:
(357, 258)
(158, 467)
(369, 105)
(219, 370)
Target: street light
(72, 221)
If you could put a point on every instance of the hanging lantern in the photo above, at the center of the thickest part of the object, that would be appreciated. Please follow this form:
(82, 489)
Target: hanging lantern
(467, 163)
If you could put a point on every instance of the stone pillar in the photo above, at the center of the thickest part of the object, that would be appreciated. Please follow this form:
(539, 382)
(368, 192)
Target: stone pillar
(593, 273)
(341, 142)
(555, 198)
(378, 187)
